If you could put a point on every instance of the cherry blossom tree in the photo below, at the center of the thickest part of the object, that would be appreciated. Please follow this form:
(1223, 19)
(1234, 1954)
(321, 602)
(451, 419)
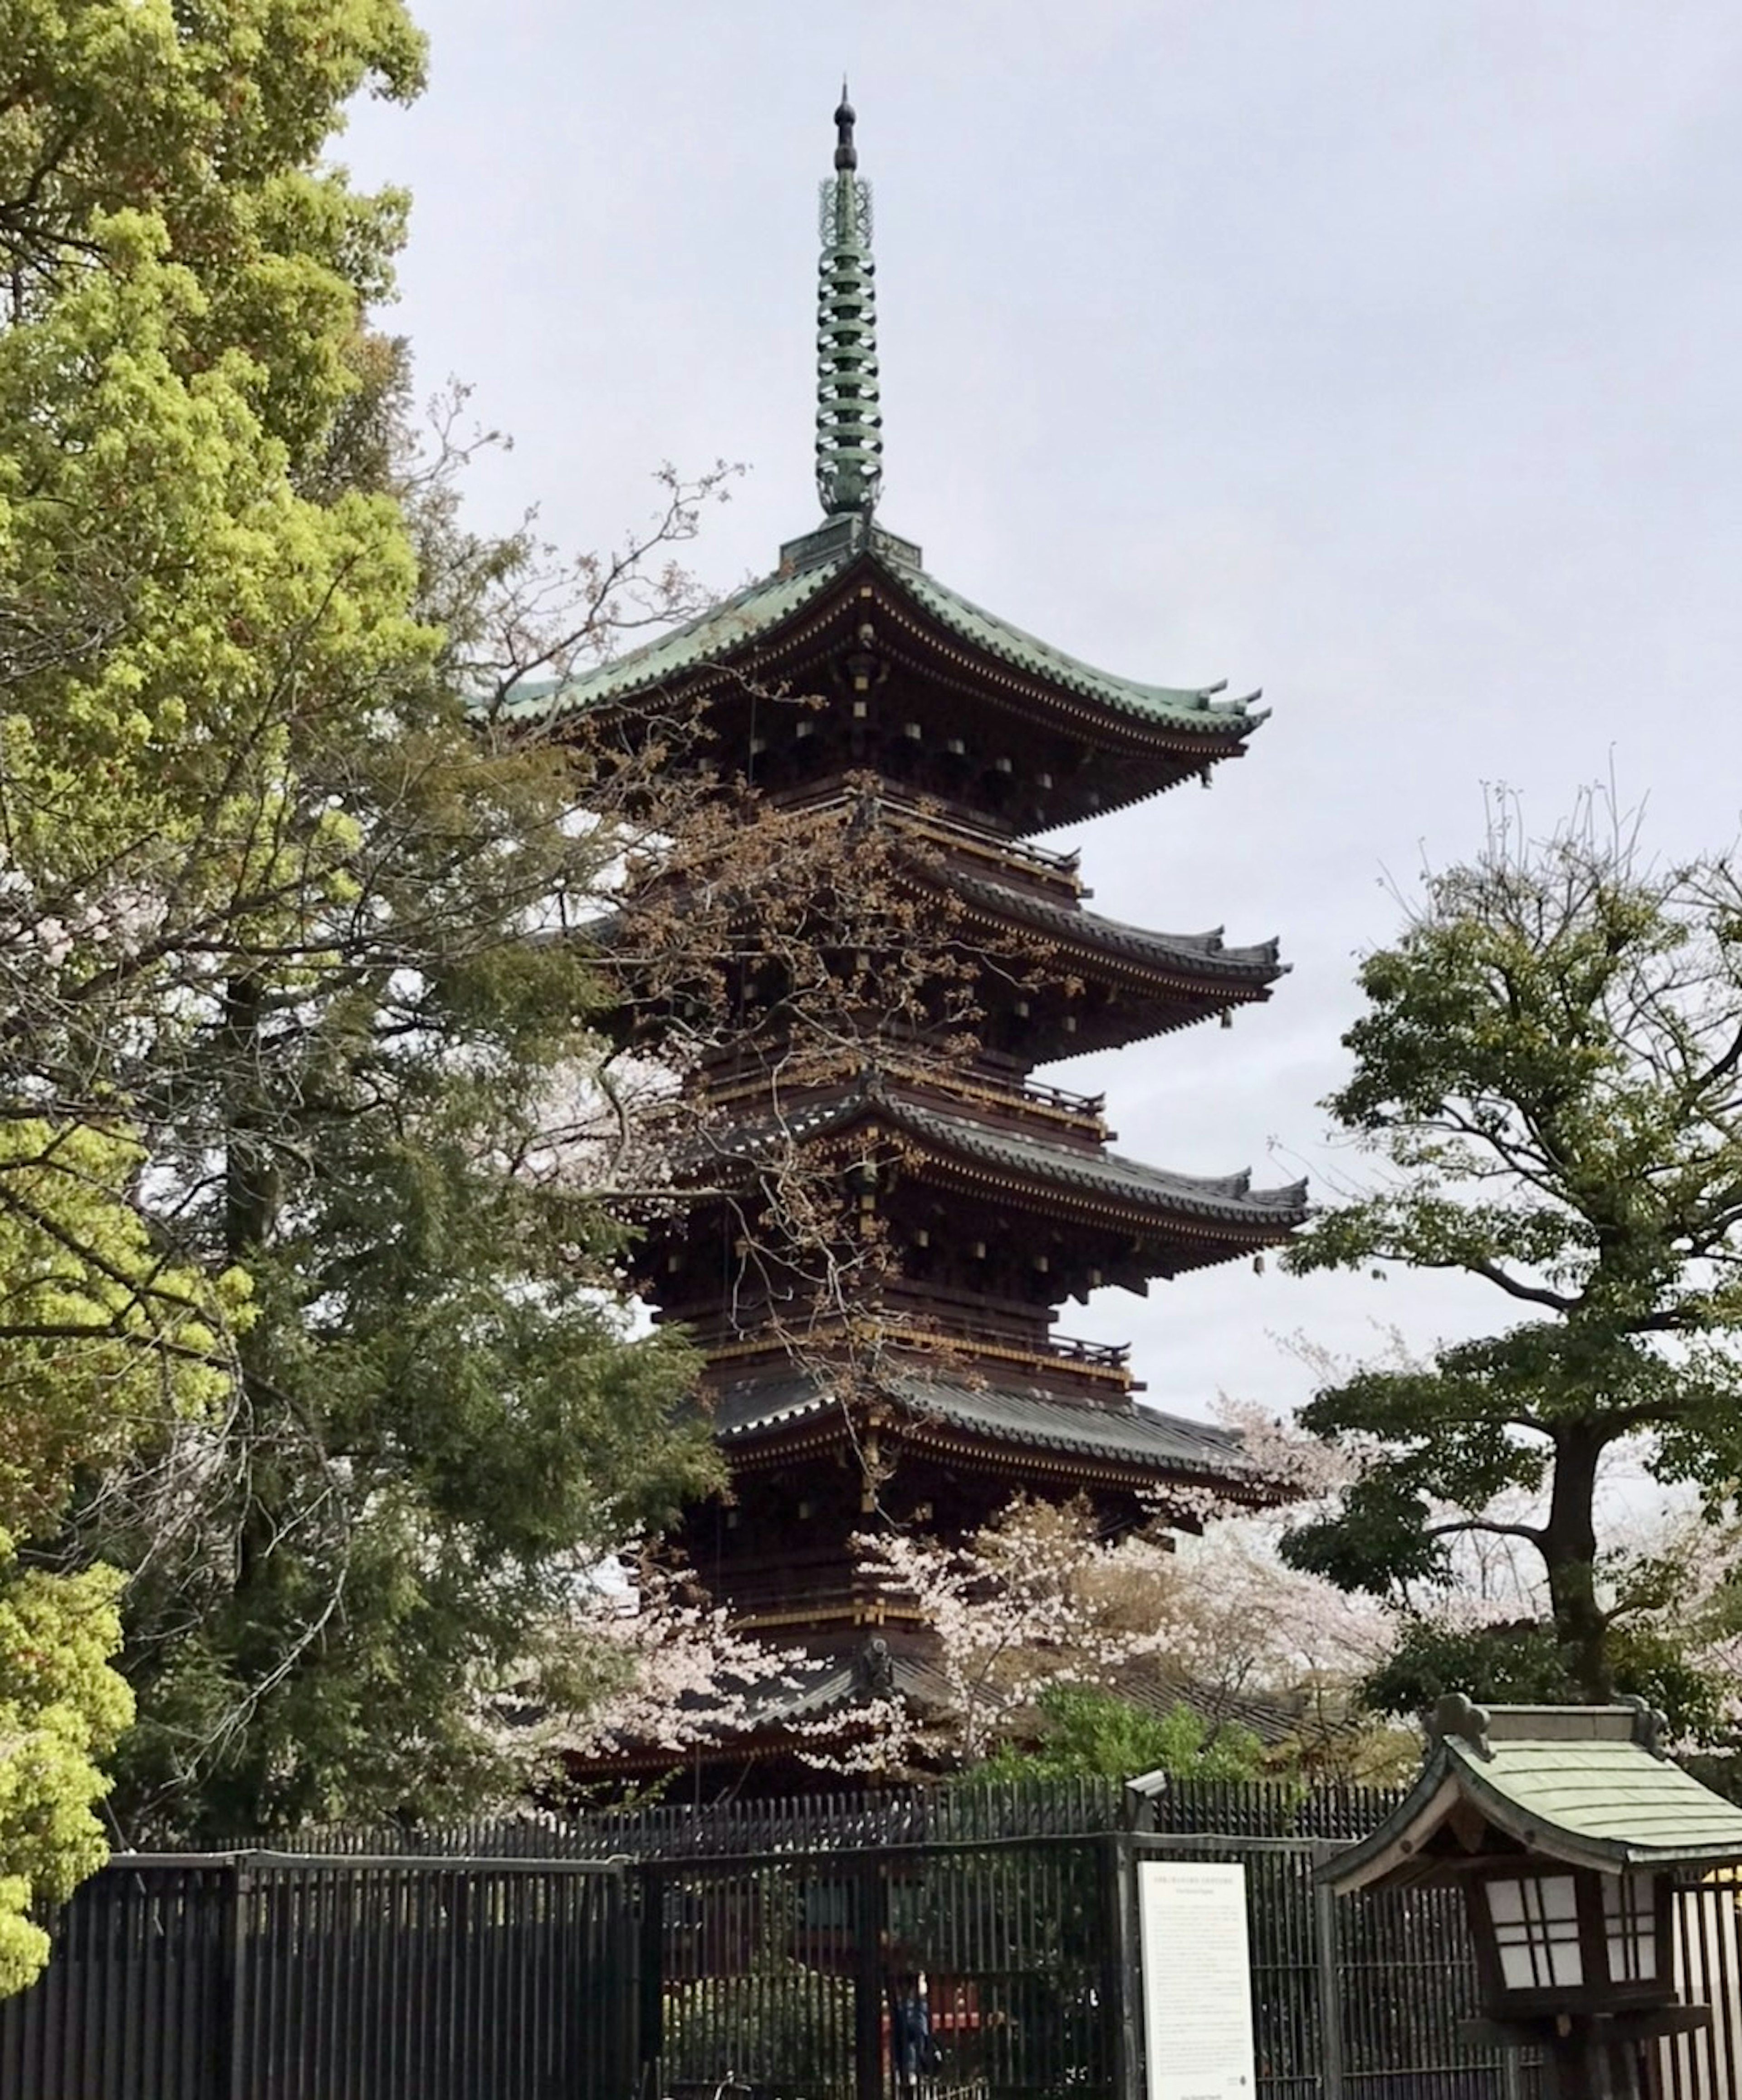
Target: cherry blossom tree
(652, 1664)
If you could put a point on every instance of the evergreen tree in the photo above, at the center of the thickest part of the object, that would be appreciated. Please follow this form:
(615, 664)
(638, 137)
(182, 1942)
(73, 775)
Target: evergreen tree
(313, 1312)
(1550, 1065)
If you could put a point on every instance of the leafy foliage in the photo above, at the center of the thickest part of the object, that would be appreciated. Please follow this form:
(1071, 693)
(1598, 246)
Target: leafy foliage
(1087, 1731)
(1524, 1664)
(179, 296)
(312, 1297)
(61, 1709)
(1550, 1065)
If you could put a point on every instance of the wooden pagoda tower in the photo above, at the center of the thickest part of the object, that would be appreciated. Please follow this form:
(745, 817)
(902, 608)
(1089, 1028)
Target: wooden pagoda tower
(998, 1198)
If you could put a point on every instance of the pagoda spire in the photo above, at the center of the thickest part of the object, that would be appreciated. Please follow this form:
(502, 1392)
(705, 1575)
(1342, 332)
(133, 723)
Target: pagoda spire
(849, 419)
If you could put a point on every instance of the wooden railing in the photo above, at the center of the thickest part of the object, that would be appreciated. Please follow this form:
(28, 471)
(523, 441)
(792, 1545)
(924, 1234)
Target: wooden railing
(950, 830)
(1090, 1106)
(940, 1332)
(1084, 1111)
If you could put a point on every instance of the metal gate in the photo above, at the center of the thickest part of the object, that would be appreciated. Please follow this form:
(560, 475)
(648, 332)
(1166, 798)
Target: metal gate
(786, 1972)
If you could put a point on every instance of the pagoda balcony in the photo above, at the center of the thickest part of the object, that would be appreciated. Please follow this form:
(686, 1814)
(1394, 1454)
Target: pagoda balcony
(1087, 1108)
(954, 1341)
(956, 832)
(783, 1600)
(952, 1328)
(1082, 1115)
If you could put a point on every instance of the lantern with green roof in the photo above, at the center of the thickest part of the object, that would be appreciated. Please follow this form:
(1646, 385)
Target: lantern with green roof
(1567, 1829)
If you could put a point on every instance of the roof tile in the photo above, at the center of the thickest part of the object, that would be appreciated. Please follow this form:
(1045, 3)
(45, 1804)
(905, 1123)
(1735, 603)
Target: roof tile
(761, 607)
(1008, 1410)
(1226, 1198)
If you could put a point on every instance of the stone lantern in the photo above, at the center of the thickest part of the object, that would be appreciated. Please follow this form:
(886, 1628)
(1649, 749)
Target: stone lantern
(1567, 1829)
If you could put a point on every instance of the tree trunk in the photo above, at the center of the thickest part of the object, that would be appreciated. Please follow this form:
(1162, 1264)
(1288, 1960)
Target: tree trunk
(237, 1790)
(1569, 1548)
(249, 1194)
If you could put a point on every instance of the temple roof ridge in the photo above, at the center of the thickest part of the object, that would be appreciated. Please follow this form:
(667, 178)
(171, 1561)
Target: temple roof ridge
(1228, 1198)
(1029, 652)
(1001, 1407)
(1260, 960)
(754, 615)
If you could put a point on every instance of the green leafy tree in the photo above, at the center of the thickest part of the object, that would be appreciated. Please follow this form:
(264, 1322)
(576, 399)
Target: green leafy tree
(313, 1310)
(1086, 1731)
(178, 303)
(177, 323)
(1550, 1068)
(104, 1338)
(1523, 1662)
(62, 1708)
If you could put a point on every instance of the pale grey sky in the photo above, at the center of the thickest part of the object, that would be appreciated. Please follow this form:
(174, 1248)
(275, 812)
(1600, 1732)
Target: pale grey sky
(1383, 353)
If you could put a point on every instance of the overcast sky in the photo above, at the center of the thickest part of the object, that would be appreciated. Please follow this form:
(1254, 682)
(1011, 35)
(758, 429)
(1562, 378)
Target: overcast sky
(1385, 355)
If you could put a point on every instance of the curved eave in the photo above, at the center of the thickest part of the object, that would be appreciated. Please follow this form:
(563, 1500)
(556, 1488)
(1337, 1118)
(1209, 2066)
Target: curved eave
(982, 1451)
(994, 1429)
(750, 622)
(1199, 711)
(770, 622)
(1634, 1786)
(1138, 1020)
(1196, 966)
(1223, 1214)
(1392, 1852)
(1641, 1789)
(1181, 1242)
(1108, 1179)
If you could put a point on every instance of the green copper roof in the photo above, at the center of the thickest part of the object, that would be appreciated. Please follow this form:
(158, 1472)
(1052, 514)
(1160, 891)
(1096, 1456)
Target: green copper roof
(1201, 956)
(1196, 707)
(735, 624)
(1605, 1798)
(1227, 1198)
(755, 614)
(1584, 1784)
(1009, 1411)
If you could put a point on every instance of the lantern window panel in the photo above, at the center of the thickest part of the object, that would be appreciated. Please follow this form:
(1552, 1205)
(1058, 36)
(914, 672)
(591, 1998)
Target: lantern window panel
(1630, 1919)
(1536, 1921)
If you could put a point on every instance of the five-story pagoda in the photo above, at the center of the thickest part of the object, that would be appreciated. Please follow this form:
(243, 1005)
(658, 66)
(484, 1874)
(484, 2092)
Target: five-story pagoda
(928, 1388)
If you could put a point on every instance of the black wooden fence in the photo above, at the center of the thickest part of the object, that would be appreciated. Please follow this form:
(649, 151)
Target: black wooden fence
(658, 1953)
(259, 1976)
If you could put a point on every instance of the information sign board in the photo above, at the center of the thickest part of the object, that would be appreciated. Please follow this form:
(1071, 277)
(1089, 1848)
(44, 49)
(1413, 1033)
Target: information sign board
(1197, 1980)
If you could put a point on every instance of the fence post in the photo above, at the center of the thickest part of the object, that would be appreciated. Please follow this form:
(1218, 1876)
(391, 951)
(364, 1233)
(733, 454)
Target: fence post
(650, 1981)
(242, 1888)
(868, 1980)
(1126, 1994)
(1329, 1982)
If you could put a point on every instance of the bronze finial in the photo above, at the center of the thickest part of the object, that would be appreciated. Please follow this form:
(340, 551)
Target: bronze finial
(846, 153)
(874, 1670)
(849, 421)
